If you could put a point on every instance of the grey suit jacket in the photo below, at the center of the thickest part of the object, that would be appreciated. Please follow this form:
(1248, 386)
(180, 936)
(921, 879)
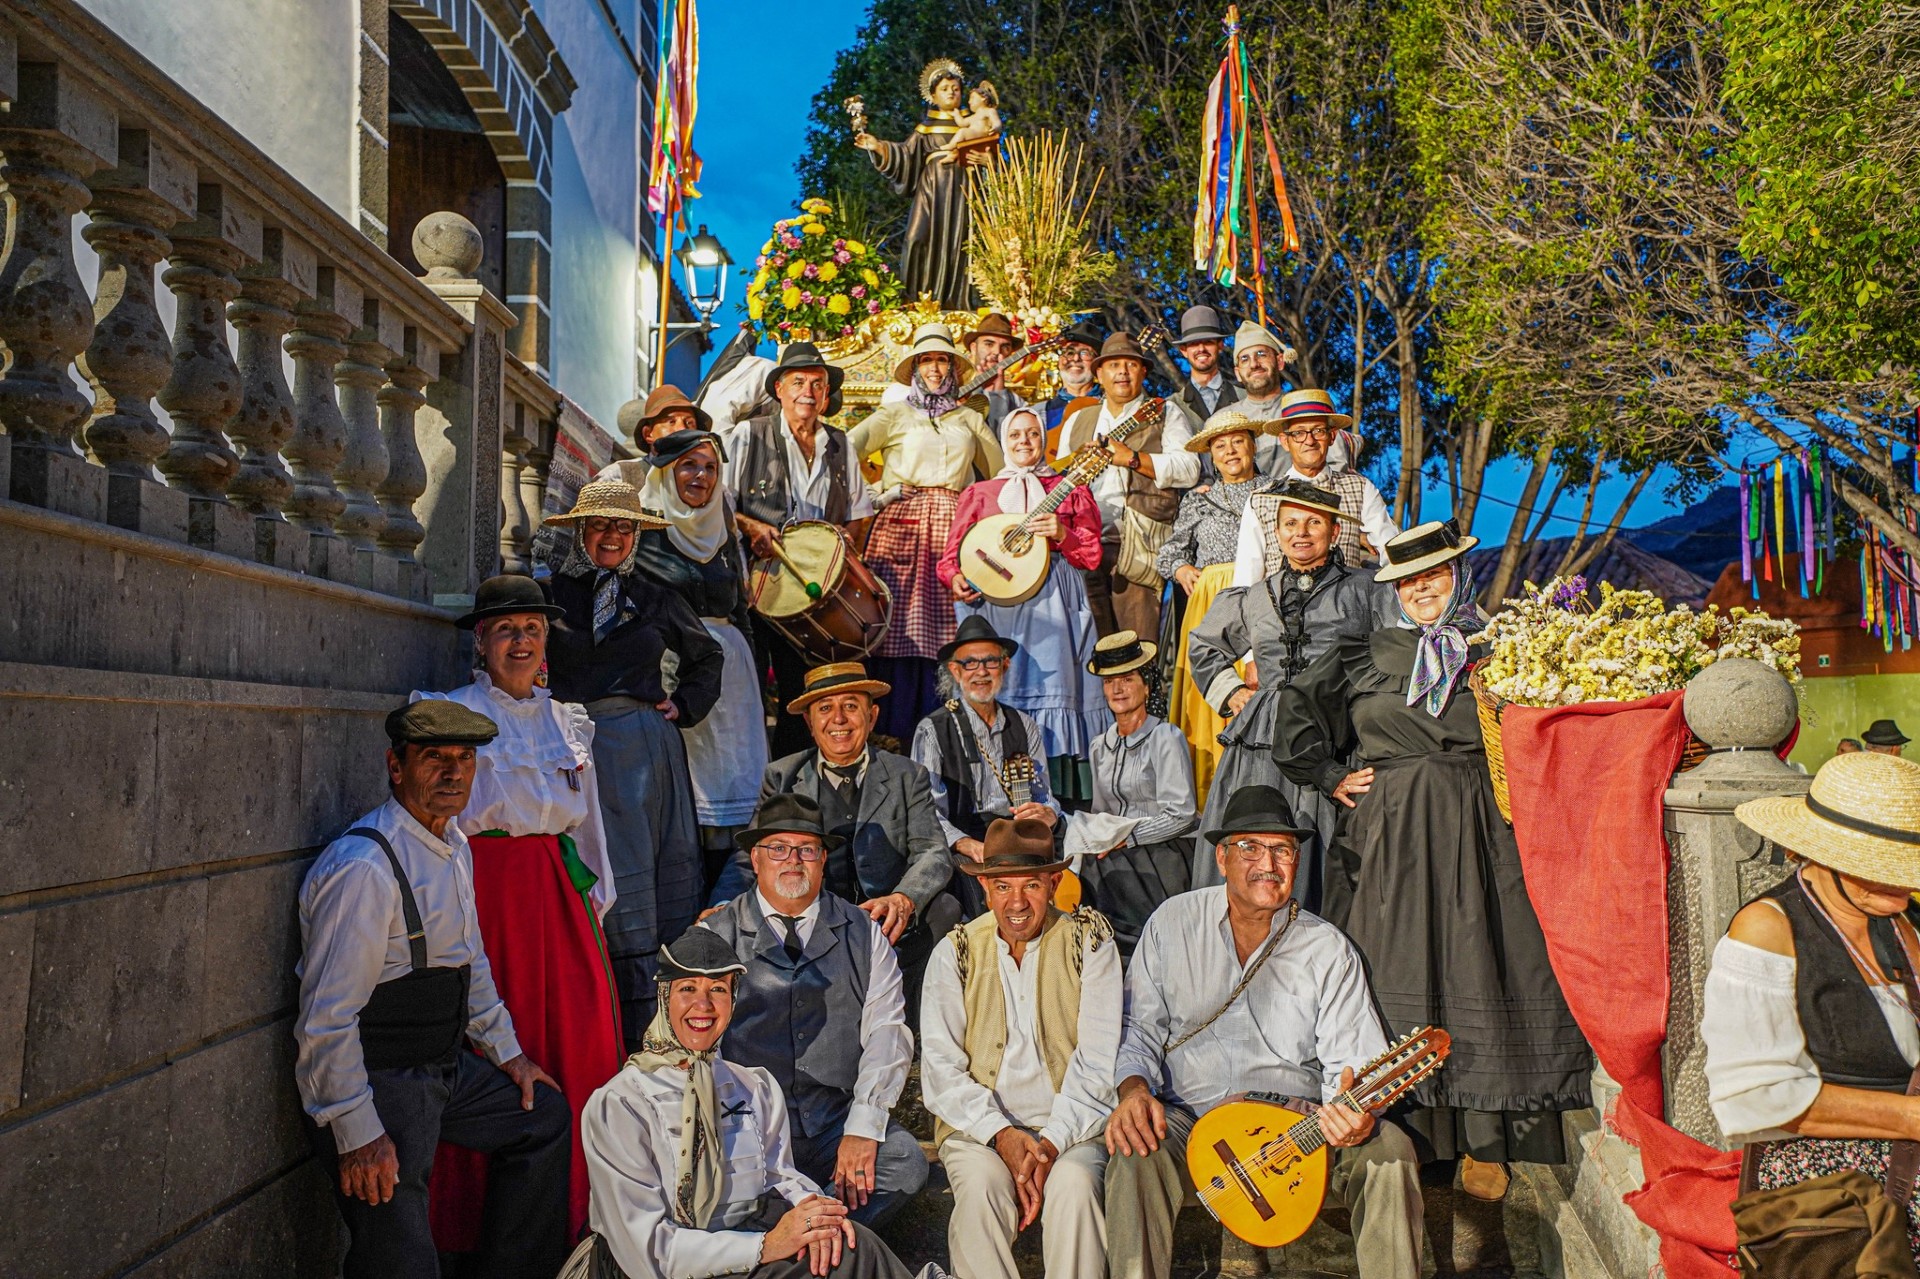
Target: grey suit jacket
(897, 843)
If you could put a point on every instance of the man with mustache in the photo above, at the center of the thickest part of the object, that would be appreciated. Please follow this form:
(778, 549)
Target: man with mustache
(821, 1006)
(1208, 387)
(1075, 364)
(1307, 425)
(1236, 989)
(1020, 1028)
(393, 984)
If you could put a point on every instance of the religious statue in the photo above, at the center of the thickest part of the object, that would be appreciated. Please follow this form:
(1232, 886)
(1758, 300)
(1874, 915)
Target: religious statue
(933, 163)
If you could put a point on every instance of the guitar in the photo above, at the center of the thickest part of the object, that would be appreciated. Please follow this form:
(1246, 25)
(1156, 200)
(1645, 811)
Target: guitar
(1017, 775)
(1002, 558)
(1261, 1169)
(969, 394)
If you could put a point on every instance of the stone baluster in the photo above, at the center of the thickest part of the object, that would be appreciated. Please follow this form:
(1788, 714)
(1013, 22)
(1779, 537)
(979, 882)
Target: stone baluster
(533, 485)
(515, 535)
(317, 344)
(400, 401)
(363, 465)
(134, 205)
(203, 393)
(56, 133)
(265, 421)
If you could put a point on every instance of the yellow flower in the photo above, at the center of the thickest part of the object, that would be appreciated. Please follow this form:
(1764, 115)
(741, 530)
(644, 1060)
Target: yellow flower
(827, 271)
(816, 205)
(854, 246)
(756, 307)
(814, 228)
(838, 304)
(767, 247)
(873, 281)
(795, 268)
(760, 280)
(790, 298)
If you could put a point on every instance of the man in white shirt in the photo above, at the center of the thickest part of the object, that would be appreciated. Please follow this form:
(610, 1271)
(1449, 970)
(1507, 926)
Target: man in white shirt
(1139, 493)
(1306, 423)
(822, 1008)
(1020, 1027)
(393, 982)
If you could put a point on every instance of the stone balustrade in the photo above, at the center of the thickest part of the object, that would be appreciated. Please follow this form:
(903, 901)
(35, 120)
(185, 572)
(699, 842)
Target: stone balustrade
(402, 387)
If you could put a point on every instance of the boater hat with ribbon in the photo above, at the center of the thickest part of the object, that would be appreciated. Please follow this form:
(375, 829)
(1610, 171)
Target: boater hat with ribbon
(1422, 547)
(837, 677)
(1120, 652)
(1861, 817)
(1309, 405)
(933, 339)
(1015, 846)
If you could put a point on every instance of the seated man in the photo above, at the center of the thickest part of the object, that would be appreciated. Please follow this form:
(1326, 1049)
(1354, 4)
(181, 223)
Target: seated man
(821, 1008)
(885, 849)
(393, 981)
(968, 745)
(1236, 989)
(1020, 1027)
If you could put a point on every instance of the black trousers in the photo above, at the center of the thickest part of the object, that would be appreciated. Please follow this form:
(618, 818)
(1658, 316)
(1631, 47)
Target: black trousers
(790, 666)
(470, 1102)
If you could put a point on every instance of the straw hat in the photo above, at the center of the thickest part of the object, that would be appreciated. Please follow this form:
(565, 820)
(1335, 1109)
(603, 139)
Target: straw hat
(1422, 547)
(1120, 652)
(836, 677)
(1309, 405)
(615, 499)
(1226, 422)
(1861, 817)
(931, 339)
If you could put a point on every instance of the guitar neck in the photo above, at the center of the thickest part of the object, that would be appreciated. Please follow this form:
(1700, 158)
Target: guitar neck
(1306, 1135)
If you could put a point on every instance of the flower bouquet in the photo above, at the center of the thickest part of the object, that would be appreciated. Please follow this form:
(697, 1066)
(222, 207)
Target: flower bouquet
(813, 283)
(1556, 646)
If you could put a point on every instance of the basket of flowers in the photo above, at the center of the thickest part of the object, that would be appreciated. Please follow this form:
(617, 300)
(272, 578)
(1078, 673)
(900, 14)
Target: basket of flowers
(815, 282)
(1556, 646)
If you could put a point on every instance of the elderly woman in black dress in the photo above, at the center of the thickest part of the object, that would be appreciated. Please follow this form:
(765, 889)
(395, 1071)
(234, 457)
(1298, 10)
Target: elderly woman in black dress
(1424, 874)
(605, 651)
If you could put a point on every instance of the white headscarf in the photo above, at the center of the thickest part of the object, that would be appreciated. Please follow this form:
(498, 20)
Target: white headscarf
(700, 532)
(1023, 489)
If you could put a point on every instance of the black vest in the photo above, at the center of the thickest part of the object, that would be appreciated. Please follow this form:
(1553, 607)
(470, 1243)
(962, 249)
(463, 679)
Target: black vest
(1847, 1036)
(419, 1018)
(765, 490)
(839, 816)
(958, 751)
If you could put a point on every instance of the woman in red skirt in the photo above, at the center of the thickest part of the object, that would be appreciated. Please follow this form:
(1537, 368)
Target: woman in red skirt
(931, 447)
(540, 882)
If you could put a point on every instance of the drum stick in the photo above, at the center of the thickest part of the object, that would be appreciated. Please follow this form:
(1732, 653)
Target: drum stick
(779, 553)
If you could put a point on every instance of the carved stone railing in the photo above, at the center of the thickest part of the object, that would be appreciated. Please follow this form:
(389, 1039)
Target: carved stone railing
(404, 396)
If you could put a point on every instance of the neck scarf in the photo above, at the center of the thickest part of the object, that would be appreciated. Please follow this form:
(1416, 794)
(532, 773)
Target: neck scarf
(934, 401)
(1440, 654)
(697, 1172)
(610, 606)
(1023, 489)
(697, 532)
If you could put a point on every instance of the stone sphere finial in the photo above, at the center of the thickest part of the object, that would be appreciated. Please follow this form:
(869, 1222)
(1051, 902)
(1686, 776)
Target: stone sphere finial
(629, 418)
(1740, 702)
(448, 246)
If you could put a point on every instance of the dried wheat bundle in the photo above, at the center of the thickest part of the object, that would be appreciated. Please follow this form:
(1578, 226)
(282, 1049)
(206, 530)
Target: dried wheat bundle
(1029, 244)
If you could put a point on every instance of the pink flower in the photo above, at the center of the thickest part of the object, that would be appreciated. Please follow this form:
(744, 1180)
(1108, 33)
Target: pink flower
(839, 244)
(845, 329)
(785, 325)
(843, 257)
(859, 290)
(779, 259)
(885, 269)
(812, 272)
(760, 261)
(805, 297)
(873, 308)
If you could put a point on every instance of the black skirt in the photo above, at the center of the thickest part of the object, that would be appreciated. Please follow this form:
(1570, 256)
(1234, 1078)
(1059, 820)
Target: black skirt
(1128, 884)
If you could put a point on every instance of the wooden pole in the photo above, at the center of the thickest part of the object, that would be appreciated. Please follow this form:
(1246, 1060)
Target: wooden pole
(666, 286)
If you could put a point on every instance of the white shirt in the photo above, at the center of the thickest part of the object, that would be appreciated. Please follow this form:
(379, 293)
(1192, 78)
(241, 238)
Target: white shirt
(1174, 469)
(989, 793)
(736, 394)
(809, 487)
(353, 936)
(1023, 1096)
(1759, 1075)
(1250, 553)
(521, 781)
(630, 1135)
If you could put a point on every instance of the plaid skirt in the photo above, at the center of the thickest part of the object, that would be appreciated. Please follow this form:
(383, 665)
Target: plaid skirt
(904, 551)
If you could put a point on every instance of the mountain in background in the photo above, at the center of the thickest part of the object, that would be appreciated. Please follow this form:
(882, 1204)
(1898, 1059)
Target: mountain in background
(1703, 539)
(1626, 564)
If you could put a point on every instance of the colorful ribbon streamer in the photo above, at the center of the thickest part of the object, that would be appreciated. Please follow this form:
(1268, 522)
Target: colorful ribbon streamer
(675, 165)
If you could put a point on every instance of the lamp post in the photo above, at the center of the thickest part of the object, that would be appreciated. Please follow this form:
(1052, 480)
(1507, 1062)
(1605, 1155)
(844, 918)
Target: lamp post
(705, 265)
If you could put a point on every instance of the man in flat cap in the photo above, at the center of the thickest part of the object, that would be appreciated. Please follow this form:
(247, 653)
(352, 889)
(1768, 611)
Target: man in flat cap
(393, 984)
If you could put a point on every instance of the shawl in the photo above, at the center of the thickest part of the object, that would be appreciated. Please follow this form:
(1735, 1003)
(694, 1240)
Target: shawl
(696, 1190)
(935, 401)
(1023, 489)
(697, 532)
(1440, 654)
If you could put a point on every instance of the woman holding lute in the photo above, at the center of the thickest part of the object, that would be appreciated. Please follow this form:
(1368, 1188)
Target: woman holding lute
(1054, 626)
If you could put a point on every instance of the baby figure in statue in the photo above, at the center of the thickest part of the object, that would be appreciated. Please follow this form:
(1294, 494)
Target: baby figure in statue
(980, 124)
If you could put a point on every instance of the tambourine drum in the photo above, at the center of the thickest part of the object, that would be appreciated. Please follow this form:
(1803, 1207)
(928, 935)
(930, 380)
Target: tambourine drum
(851, 615)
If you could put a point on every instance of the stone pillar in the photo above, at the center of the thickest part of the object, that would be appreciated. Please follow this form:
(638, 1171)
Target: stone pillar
(460, 425)
(363, 465)
(533, 486)
(134, 205)
(317, 343)
(1741, 709)
(516, 531)
(265, 421)
(56, 133)
(204, 392)
(400, 402)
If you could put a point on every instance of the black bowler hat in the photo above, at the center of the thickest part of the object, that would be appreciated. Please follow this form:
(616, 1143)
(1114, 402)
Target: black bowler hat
(435, 721)
(1884, 732)
(505, 594)
(975, 630)
(1257, 810)
(786, 814)
(669, 449)
(1084, 334)
(1015, 846)
(698, 952)
(805, 355)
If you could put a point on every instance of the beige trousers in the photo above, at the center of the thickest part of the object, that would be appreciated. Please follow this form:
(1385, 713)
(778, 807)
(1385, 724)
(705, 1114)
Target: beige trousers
(986, 1212)
(1378, 1183)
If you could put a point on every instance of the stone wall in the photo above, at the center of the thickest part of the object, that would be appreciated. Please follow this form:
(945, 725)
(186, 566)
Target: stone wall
(179, 733)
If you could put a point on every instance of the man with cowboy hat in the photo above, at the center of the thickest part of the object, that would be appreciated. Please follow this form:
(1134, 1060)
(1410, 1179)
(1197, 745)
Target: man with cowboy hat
(1075, 362)
(1307, 423)
(1139, 493)
(1259, 366)
(1236, 989)
(1020, 1026)
(822, 1008)
(992, 343)
(1207, 387)
(394, 983)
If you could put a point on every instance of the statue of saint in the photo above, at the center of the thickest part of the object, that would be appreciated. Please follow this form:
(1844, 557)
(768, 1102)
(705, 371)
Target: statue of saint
(933, 163)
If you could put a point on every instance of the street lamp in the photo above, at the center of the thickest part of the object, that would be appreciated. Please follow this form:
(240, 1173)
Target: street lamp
(704, 261)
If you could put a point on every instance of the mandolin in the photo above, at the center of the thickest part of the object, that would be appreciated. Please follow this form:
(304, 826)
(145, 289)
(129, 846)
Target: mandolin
(1017, 775)
(1261, 1168)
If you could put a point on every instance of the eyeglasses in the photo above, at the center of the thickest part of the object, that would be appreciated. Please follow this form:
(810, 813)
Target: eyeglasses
(1255, 851)
(1310, 433)
(787, 852)
(979, 663)
(601, 524)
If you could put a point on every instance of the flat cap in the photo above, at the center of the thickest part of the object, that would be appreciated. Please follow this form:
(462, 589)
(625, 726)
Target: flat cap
(434, 721)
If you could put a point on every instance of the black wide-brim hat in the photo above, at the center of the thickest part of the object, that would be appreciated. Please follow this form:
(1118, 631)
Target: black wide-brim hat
(804, 355)
(976, 630)
(698, 952)
(1257, 810)
(507, 594)
(1015, 846)
(1884, 732)
(786, 814)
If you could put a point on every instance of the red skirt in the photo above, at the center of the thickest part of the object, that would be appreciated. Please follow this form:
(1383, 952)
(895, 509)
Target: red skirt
(549, 963)
(904, 551)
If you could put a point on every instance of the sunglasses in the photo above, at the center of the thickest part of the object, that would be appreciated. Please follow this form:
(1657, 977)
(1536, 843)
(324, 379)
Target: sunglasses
(601, 524)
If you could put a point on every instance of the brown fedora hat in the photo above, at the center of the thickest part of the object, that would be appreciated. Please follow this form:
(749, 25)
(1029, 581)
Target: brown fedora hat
(1015, 846)
(663, 398)
(992, 325)
(1121, 346)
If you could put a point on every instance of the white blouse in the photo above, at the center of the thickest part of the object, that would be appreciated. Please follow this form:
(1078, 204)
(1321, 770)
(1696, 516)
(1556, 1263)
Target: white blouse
(536, 777)
(1759, 1075)
(630, 1134)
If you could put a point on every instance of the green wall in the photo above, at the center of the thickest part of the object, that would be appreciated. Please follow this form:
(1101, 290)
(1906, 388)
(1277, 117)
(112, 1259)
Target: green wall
(1841, 706)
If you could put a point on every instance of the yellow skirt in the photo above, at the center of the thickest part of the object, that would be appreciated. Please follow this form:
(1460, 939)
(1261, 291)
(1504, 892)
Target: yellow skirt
(1185, 707)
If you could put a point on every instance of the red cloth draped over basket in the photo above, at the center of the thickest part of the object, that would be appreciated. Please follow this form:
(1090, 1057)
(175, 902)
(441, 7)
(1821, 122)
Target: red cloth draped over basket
(1587, 784)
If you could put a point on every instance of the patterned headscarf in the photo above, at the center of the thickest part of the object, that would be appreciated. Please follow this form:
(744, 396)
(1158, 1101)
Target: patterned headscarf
(702, 1159)
(610, 607)
(934, 401)
(1440, 654)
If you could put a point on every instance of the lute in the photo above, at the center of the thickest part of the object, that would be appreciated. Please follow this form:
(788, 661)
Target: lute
(1017, 776)
(1261, 1168)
